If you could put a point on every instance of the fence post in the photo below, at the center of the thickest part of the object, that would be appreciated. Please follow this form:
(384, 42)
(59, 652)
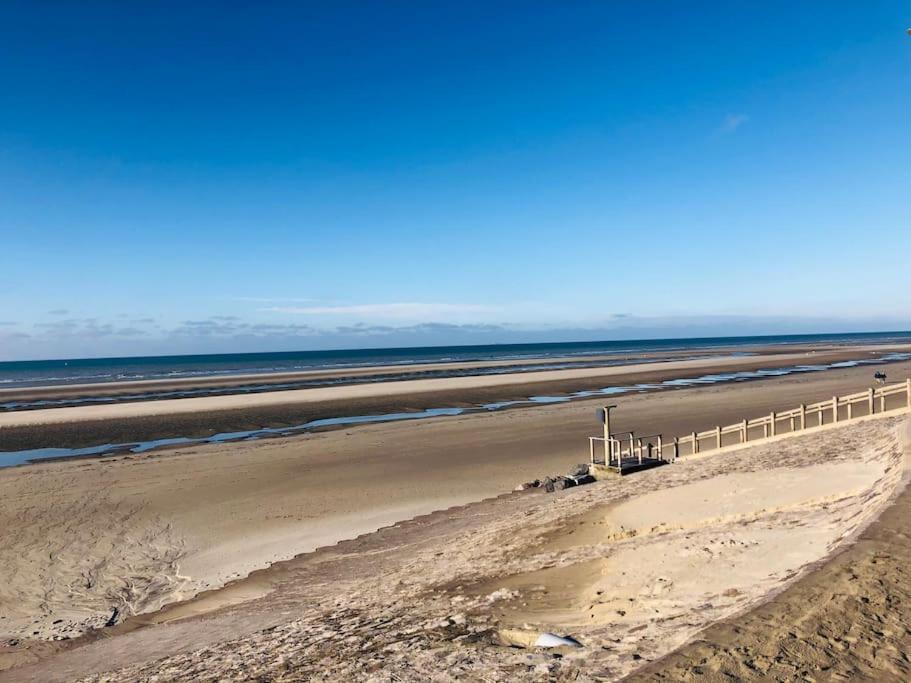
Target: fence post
(871, 408)
(591, 449)
(676, 448)
(660, 448)
(882, 402)
(772, 423)
(850, 409)
(746, 430)
(835, 409)
(695, 444)
(803, 416)
(908, 389)
(639, 449)
(718, 437)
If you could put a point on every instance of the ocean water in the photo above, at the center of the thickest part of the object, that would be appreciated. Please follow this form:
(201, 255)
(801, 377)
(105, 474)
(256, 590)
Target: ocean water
(92, 370)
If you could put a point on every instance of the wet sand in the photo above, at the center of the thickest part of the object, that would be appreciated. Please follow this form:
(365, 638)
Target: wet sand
(390, 372)
(393, 372)
(199, 417)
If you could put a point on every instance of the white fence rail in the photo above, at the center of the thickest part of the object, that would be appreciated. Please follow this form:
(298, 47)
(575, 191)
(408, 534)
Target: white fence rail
(625, 448)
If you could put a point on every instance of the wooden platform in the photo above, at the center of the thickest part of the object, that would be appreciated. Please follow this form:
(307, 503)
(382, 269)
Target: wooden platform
(629, 466)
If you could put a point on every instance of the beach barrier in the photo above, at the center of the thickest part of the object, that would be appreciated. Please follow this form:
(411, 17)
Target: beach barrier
(624, 449)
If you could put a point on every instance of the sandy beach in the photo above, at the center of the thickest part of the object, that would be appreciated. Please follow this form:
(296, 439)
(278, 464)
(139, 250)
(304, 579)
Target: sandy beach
(129, 534)
(632, 569)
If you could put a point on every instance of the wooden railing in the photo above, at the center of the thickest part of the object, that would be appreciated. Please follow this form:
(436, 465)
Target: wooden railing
(638, 449)
(625, 448)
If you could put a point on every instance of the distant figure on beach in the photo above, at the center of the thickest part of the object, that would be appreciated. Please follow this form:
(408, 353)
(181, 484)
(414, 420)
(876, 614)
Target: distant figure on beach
(880, 377)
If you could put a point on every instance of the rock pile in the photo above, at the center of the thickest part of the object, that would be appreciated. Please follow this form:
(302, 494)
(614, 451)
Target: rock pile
(578, 476)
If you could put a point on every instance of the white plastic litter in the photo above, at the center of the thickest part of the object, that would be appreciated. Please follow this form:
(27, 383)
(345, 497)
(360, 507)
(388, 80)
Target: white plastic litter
(553, 640)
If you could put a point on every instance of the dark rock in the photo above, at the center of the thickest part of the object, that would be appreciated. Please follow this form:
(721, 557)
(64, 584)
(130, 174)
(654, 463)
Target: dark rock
(563, 483)
(548, 485)
(584, 479)
(579, 470)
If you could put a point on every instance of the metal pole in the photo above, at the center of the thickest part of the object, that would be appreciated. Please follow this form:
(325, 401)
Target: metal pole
(608, 447)
(608, 444)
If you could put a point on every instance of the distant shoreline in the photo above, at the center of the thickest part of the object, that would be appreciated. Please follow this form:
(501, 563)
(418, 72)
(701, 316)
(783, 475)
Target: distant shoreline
(119, 427)
(219, 366)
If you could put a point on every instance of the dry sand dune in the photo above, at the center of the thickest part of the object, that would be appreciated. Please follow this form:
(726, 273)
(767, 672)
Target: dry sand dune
(428, 598)
(850, 620)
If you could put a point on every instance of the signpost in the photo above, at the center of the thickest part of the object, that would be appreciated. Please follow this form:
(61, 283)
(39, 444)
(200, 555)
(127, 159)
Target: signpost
(604, 417)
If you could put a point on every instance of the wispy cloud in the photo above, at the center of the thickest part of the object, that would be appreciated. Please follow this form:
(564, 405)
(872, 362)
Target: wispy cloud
(86, 328)
(93, 336)
(732, 122)
(273, 299)
(392, 311)
(59, 311)
(228, 326)
(420, 328)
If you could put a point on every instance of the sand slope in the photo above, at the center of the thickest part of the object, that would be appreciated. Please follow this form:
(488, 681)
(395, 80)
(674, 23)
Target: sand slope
(426, 599)
(850, 620)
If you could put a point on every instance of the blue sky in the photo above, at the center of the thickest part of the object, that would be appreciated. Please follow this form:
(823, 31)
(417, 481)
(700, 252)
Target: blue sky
(191, 177)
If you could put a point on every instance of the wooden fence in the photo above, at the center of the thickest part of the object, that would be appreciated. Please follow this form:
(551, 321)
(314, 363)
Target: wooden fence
(625, 449)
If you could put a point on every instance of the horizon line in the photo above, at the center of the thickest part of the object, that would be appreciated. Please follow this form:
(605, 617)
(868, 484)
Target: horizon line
(464, 346)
